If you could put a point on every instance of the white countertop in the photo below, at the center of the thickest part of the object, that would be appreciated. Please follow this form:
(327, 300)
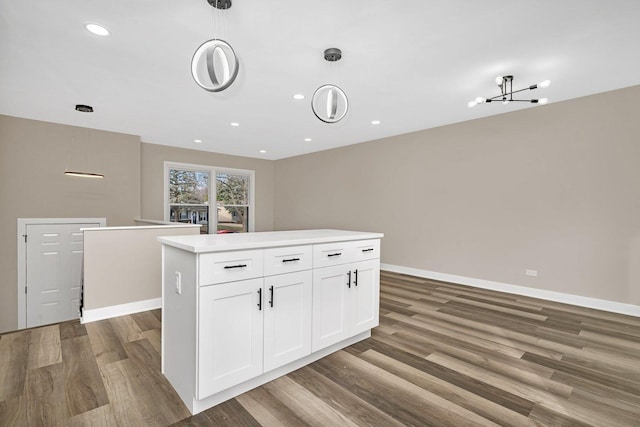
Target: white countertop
(267, 239)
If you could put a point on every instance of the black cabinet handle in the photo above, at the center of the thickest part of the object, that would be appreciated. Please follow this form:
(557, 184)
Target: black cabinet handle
(355, 279)
(291, 260)
(367, 250)
(235, 266)
(271, 300)
(336, 254)
(260, 299)
(349, 279)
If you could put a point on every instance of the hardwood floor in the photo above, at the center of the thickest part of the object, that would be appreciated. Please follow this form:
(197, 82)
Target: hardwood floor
(443, 355)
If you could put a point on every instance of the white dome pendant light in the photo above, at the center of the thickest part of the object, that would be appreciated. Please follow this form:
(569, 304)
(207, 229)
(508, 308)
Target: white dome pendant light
(329, 102)
(215, 65)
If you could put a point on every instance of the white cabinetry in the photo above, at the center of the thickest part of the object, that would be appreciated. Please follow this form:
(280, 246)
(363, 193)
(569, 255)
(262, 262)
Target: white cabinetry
(287, 318)
(346, 297)
(237, 314)
(229, 335)
(331, 306)
(250, 327)
(365, 293)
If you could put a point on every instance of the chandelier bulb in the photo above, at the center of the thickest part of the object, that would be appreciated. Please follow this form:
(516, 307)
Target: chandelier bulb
(544, 83)
(471, 104)
(543, 101)
(480, 100)
(499, 80)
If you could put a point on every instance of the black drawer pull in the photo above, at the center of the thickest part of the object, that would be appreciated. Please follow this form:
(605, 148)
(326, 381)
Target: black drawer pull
(336, 254)
(235, 266)
(349, 279)
(271, 300)
(291, 260)
(260, 299)
(355, 274)
(367, 250)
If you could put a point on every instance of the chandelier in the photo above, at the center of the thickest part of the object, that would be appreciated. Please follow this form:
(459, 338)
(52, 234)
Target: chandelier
(214, 65)
(505, 83)
(329, 102)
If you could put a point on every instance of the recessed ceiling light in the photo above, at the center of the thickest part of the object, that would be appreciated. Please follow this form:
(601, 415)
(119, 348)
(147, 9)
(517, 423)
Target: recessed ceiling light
(235, 124)
(97, 29)
(375, 122)
(197, 141)
(307, 140)
(298, 96)
(263, 151)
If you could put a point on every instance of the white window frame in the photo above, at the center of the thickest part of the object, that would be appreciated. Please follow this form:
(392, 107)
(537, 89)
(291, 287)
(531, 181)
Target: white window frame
(213, 171)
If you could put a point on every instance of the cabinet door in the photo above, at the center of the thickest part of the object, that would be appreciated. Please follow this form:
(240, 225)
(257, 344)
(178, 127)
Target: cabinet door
(230, 335)
(365, 290)
(287, 318)
(331, 301)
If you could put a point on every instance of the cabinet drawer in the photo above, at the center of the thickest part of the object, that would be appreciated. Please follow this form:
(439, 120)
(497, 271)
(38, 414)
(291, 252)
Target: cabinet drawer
(328, 254)
(230, 266)
(287, 260)
(366, 249)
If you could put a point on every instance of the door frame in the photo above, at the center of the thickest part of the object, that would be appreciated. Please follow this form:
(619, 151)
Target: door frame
(22, 255)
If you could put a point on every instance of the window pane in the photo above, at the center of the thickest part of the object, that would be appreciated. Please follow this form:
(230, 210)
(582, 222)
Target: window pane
(232, 189)
(188, 187)
(190, 215)
(233, 219)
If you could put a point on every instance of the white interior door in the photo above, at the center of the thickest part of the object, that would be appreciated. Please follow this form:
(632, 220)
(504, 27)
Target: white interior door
(53, 272)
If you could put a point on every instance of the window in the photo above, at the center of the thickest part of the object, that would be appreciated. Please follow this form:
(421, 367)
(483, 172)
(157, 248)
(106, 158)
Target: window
(189, 189)
(232, 201)
(189, 197)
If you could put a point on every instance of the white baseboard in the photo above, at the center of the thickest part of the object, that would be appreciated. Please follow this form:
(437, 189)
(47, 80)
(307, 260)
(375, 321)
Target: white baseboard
(119, 310)
(599, 304)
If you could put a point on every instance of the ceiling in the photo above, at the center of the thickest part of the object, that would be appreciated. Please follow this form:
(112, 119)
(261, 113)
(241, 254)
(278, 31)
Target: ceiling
(412, 64)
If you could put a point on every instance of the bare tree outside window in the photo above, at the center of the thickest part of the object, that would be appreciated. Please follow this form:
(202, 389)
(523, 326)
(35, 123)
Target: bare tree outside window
(232, 200)
(189, 197)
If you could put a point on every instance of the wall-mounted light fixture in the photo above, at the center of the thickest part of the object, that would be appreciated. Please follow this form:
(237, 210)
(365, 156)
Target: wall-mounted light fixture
(82, 108)
(505, 83)
(84, 174)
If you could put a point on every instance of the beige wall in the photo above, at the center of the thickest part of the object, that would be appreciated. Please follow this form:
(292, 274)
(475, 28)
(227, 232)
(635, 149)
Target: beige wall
(34, 155)
(553, 188)
(154, 156)
(33, 158)
(123, 266)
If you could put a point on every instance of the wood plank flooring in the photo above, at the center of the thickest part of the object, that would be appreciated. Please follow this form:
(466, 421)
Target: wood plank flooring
(443, 355)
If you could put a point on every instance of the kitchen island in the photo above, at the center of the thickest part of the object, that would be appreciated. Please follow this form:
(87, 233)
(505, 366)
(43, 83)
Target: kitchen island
(239, 310)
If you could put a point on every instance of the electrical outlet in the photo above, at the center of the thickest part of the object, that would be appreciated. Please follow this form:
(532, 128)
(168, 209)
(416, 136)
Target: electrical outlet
(532, 273)
(178, 283)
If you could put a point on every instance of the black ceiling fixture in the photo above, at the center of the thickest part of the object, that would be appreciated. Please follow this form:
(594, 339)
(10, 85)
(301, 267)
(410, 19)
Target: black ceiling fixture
(220, 4)
(84, 108)
(505, 83)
